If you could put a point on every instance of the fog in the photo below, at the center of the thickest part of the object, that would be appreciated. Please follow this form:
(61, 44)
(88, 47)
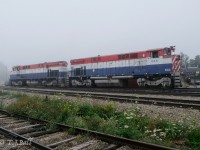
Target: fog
(3, 73)
(48, 30)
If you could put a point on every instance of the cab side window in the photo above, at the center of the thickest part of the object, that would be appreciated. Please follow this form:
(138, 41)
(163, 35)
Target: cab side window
(167, 52)
(154, 54)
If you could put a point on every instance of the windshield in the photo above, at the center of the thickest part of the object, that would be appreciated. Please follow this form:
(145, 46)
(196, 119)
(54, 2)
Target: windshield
(167, 51)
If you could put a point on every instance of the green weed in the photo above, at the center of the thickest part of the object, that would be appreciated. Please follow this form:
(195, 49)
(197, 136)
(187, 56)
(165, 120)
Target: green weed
(1, 105)
(194, 138)
(131, 123)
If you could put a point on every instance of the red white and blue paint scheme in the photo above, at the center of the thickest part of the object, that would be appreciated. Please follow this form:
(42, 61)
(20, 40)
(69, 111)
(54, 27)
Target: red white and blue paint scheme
(46, 74)
(150, 67)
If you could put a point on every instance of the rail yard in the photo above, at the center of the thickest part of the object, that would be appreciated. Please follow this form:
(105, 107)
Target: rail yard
(136, 100)
(99, 75)
(162, 98)
(162, 104)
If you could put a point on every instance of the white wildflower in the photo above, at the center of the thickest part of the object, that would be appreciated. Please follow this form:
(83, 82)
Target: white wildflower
(163, 134)
(126, 126)
(154, 130)
(153, 135)
(143, 115)
(137, 108)
(129, 117)
(148, 131)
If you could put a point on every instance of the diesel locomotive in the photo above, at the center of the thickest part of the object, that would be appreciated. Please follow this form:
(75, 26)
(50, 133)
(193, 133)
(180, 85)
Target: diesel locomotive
(152, 67)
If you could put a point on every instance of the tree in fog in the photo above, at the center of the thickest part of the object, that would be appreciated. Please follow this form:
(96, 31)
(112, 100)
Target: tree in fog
(184, 61)
(195, 62)
(187, 62)
(192, 63)
(3, 73)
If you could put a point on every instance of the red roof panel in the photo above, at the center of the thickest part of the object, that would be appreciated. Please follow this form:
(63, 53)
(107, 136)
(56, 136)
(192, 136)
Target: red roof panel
(42, 65)
(115, 57)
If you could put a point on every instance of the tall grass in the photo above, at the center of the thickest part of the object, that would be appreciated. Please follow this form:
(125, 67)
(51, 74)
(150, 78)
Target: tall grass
(131, 123)
(1, 105)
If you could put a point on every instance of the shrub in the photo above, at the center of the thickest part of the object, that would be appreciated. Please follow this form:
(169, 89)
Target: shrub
(94, 122)
(85, 109)
(3, 93)
(105, 110)
(106, 118)
(194, 138)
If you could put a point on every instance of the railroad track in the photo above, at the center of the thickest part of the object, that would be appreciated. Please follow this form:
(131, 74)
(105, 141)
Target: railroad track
(120, 97)
(22, 132)
(193, 92)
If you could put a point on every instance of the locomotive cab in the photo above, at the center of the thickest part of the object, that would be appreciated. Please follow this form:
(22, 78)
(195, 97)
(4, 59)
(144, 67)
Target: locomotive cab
(165, 52)
(168, 51)
(162, 68)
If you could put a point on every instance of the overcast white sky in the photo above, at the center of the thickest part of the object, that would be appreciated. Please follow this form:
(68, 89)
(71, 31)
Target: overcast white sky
(52, 30)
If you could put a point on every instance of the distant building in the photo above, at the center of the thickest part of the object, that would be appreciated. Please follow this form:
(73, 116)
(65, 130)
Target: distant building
(194, 71)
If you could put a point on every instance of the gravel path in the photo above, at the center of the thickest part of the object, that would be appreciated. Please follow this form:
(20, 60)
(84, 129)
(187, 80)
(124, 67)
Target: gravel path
(169, 113)
(155, 112)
